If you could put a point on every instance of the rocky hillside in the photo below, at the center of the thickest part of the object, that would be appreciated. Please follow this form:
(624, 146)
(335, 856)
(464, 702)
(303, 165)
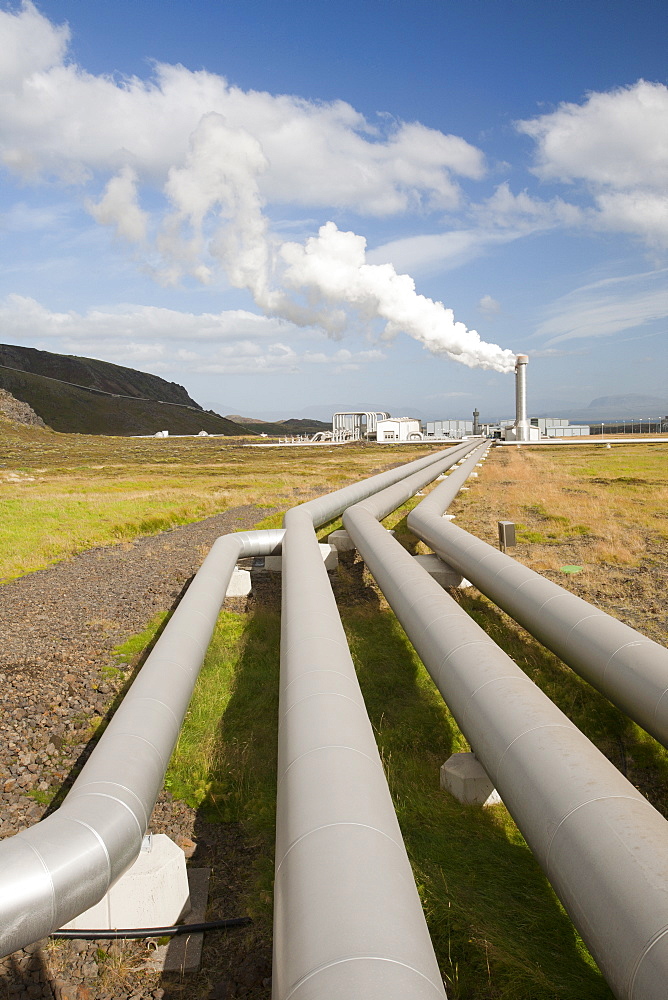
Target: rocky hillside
(17, 411)
(86, 396)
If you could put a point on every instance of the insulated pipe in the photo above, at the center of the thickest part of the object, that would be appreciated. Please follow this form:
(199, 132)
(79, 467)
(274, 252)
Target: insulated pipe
(60, 867)
(627, 667)
(601, 844)
(347, 917)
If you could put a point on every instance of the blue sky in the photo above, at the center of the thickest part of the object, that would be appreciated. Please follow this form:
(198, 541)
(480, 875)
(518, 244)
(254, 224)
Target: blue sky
(233, 194)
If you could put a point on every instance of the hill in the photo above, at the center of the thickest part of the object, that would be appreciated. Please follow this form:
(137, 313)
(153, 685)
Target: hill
(279, 428)
(87, 396)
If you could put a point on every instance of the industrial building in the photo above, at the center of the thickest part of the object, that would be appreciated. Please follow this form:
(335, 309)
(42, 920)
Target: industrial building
(449, 429)
(399, 429)
(558, 427)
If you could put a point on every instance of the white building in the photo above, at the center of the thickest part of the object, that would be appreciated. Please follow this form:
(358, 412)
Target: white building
(398, 429)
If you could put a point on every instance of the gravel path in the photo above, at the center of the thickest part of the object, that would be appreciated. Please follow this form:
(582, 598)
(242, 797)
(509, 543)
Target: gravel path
(58, 628)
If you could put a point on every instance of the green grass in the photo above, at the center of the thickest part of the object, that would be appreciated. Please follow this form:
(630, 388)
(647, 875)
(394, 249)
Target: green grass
(63, 493)
(225, 759)
(140, 645)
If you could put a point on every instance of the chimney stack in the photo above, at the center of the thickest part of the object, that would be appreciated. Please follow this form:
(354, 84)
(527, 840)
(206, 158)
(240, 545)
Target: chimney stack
(521, 422)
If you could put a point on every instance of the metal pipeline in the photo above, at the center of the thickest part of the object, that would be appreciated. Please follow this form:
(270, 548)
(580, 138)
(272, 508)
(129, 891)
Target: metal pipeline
(347, 916)
(627, 667)
(60, 867)
(601, 844)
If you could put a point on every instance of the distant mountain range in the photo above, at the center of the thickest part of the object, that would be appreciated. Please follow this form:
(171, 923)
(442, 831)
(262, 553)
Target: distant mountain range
(282, 427)
(623, 407)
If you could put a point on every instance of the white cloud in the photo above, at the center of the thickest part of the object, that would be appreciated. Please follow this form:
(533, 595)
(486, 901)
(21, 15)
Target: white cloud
(501, 218)
(522, 211)
(435, 252)
(30, 45)
(617, 144)
(24, 318)
(607, 307)
(168, 341)
(58, 120)
(489, 306)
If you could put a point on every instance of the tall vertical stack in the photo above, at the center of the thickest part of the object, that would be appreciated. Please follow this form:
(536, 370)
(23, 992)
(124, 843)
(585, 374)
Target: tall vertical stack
(521, 422)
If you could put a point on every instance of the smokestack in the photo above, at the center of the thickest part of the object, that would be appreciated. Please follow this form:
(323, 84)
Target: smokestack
(476, 424)
(521, 422)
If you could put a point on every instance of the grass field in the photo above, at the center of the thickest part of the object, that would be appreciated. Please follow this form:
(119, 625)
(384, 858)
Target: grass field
(499, 931)
(63, 493)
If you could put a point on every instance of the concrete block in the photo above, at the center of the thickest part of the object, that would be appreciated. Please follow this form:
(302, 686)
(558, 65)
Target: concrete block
(153, 893)
(183, 953)
(240, 583)
(441, 572)
(473, 475)
(449, 517)
(464, 777)
(330, 557)
(341, 541)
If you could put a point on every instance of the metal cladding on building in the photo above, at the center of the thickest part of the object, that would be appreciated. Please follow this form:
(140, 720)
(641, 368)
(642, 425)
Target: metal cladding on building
(521, 422)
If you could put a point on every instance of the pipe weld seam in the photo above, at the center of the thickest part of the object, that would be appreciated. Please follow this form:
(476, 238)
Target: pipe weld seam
(79, 786)
(142, 739)
(106, 795)
(632, 642)
(100, 840)
(462, 645)
(329, 694)
(580, 621)
(317, 670)
(164, 661)
(583, 805)
(545, 725)
(156, 701)
(399, 844)
(293, 643)
(328, 746)
(51, 891)
(658, 703)
(647, 948)
(362, 958)
(521, 676)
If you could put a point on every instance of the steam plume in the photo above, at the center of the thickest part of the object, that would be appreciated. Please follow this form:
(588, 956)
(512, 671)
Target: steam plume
(324, 282)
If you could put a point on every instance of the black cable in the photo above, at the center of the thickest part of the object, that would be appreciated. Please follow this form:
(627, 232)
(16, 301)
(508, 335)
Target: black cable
(145, 932)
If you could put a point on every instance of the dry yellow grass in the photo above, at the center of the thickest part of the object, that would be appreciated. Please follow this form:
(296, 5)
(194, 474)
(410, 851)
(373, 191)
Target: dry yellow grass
(603, 510)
